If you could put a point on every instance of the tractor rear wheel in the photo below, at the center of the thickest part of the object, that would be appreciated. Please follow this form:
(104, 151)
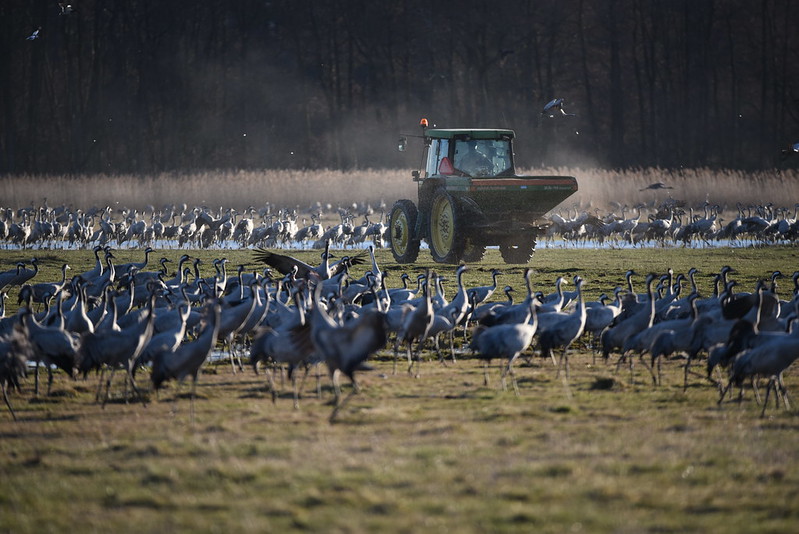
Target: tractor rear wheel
(473, 250)
(447, 237)
(517, 250)
(402, 225)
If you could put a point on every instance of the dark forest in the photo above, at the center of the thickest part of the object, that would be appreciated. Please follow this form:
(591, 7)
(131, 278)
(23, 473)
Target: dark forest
(151, 85)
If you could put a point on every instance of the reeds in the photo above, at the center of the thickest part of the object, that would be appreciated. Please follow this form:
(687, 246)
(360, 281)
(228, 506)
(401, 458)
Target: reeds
(599, 188)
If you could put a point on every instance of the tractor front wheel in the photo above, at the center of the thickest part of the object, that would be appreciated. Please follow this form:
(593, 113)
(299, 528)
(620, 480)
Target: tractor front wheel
(447, 237)
(402, 225)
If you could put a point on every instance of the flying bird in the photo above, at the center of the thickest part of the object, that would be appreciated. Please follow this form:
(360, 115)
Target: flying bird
(655, 186)
(66, 9)
(790, 151)
(553, 106)
(286, 264)
(34, 35)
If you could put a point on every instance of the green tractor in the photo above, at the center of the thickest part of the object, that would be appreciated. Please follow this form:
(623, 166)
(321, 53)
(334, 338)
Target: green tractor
(470, 197)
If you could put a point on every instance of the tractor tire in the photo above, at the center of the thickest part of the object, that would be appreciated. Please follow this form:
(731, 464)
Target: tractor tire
(447, 237)
(514, 252)
(402, 225)
(473, 250)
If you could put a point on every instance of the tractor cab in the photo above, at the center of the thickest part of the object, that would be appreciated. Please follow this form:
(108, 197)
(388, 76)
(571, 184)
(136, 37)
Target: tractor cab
(474, 153)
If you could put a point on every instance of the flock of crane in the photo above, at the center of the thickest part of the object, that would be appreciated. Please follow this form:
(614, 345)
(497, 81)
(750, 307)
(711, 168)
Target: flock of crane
(668, 223)
(191, 228)
(295, 315)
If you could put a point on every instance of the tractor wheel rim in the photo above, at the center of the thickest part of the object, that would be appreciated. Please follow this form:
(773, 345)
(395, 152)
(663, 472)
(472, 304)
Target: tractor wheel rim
(442, 226)
(399, 234)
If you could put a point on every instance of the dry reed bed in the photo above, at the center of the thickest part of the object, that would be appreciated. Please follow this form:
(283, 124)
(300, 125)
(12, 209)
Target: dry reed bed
(290, 188)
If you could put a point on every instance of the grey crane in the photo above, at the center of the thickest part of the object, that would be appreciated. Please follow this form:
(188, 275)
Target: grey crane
(416, 327)
(768, 360)
(515, 313)
(189, 357)
(504, 341)
(284, 264)
(123, 268)
(613, 336)
(6, 277)
(233, 318)
(551, 303)
(50, 288)
(141, 277)
(76, 320)
(483, 293)
(404, 293)
(25, 274)
(488, 307)
(553, 106)
(655, 186)
(642, 341)
(96, 286)
(288, 343)
(456, 309)
(563, 330)
(51, 346)
(117, 348)
(179, 273)
(599, 314)
(168, 339)
(672, 341)
(15, 351)
(345, 347)
(98, 268)
(444, 324)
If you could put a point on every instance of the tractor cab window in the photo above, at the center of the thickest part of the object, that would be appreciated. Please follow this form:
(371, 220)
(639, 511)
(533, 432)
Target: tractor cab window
(483, 157)
(438, 150)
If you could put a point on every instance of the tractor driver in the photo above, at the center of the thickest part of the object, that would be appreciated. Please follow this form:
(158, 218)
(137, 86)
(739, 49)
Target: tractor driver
(474, 162)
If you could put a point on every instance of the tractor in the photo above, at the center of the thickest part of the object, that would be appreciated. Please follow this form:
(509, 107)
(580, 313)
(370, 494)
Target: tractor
(470, 197)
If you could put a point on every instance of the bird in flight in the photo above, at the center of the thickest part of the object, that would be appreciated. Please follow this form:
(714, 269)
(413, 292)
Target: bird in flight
(66, 9)
(34, 35)
(656, 185)
(553, 106)
(286, 264)
(790, 151)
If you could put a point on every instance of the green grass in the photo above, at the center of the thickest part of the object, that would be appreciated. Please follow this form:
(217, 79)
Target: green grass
(438, 453)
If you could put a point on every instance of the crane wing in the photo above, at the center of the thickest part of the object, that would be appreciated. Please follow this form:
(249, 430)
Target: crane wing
(282, 263)
(349, 261)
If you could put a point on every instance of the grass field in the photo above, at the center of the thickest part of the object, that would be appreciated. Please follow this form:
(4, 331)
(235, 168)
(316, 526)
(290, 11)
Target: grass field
(439, 453)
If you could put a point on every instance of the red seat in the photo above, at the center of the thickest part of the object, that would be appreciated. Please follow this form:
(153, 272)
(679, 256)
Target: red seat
(445, 167)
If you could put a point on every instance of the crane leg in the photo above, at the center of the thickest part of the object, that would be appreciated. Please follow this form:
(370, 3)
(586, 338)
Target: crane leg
(396, 355)
(295, 390)
(191, 398)
(650, 368)
(108, 386)
(136, 389)
(49, 380)
(100, 385)
(511, 371)
(272, 388)
(8, 403)
(765, 403)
